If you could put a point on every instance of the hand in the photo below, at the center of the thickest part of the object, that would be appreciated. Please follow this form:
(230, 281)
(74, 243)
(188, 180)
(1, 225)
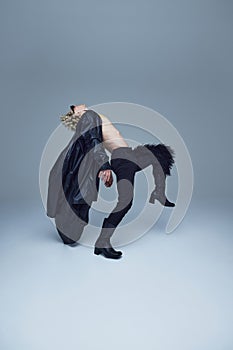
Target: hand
(106, 177)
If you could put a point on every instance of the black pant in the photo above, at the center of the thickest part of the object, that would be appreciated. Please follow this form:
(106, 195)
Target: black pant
(123, 163)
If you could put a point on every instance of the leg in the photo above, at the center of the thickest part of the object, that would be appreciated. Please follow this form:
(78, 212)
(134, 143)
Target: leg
(160, 183)
(161, 157)
(125, 173)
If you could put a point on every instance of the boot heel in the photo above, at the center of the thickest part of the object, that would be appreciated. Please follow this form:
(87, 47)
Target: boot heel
(97, 251)
(152, 199)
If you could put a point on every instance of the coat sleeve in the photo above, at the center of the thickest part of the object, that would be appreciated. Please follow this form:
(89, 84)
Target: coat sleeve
(96, 141)
(100, 155)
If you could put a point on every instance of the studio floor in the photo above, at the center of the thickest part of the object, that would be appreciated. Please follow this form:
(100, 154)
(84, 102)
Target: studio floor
(167, 292)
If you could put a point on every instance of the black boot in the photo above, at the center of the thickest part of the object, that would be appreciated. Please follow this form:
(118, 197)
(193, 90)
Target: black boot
(160, 184)
(65, 239)
(162, 199)
(103, 245)
(108, 253)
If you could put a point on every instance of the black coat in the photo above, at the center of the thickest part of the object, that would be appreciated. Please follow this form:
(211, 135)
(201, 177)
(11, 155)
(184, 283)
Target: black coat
(73, 179)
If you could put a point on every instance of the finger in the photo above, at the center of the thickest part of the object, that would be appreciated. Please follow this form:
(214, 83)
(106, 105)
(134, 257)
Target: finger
(107, 176)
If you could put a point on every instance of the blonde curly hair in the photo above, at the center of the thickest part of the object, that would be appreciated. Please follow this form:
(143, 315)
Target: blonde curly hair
(69, 120)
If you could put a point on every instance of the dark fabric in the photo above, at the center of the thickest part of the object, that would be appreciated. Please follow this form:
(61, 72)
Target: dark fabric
(72, 222)
(152, 154)
(73, 180)
(125, 163)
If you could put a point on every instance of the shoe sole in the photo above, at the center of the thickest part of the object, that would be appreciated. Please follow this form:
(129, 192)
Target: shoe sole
(97, 252)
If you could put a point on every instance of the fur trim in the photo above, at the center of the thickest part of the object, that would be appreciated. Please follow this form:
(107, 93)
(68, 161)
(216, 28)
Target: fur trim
(164, 154)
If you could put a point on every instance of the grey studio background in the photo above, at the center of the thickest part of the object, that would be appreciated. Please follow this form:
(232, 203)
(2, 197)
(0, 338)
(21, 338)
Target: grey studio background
(169, 291)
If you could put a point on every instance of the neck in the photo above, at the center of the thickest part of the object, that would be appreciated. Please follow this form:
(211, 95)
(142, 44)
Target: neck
(80, 113)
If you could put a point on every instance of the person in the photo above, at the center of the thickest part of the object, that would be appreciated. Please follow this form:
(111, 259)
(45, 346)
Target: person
(73, 183)
(125, 163)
